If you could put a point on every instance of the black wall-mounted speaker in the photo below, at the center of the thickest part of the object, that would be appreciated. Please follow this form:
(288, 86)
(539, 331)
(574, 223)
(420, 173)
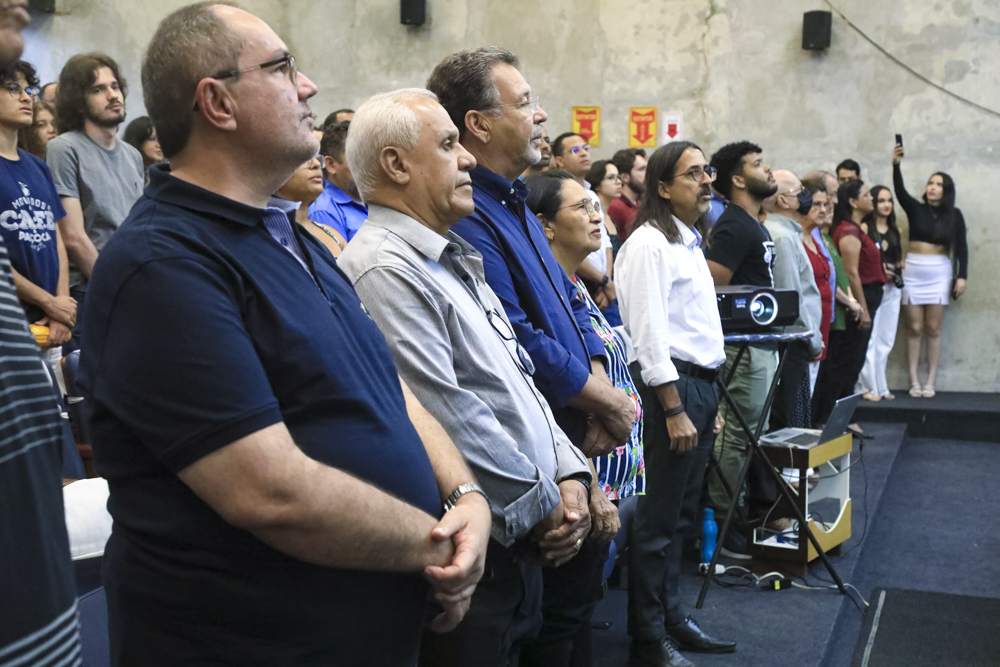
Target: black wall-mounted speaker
(412, 12)
(816, 30)
(47, 6)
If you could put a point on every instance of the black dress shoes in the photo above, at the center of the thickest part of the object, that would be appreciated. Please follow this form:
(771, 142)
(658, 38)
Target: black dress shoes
(690, 637)
(656, 653)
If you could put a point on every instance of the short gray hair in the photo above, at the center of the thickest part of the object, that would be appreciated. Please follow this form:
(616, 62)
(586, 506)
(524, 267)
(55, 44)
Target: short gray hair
(384, 120)
(190, 44)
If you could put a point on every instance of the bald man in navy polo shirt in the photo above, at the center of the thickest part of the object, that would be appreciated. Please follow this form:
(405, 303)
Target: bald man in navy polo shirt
(273, 503)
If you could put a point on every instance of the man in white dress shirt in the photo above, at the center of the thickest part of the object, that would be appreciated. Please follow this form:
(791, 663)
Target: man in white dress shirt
(669, 308)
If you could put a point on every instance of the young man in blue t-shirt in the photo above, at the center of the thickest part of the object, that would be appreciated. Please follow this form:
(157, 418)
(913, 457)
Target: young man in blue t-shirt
(29, 210)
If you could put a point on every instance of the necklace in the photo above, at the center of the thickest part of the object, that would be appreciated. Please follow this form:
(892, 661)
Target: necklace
(328, 233)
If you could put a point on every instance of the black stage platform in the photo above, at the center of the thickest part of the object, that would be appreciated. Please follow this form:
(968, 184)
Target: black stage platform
(949, 415)
(926, 516)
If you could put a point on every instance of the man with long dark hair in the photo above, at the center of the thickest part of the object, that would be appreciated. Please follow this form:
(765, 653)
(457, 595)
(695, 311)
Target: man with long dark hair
(97, 176)
(669, 307)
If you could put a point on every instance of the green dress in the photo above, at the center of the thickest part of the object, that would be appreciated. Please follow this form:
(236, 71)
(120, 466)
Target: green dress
(840, 312)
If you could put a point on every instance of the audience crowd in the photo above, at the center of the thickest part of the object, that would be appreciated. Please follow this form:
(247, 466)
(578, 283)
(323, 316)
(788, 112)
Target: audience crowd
(398, 388)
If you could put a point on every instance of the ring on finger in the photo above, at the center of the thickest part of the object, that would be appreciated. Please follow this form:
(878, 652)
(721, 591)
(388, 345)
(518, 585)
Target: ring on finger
(579, 543)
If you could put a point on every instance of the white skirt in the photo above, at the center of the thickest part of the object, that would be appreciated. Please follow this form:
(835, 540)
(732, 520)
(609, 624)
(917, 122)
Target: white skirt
(927, 280)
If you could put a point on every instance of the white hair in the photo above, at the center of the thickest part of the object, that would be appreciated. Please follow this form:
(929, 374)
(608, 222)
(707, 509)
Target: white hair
(383, 120)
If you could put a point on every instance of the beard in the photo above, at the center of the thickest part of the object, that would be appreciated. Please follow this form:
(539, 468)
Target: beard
(107, 120)
(637, 186)
(760, 189)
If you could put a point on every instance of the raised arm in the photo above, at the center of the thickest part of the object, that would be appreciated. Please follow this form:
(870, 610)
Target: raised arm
(904, 198)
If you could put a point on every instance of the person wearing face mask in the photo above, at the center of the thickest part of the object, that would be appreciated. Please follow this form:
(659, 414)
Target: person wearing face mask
(883, 231)
(866, 276)
(787, 213)
(937, 229)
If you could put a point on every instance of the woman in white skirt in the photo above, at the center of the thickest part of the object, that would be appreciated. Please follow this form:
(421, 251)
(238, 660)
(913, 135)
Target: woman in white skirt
(937, 229)
(883, 231)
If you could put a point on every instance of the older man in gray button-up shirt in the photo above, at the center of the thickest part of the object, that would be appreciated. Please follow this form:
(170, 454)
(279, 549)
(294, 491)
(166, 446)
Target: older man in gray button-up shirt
(425, 288)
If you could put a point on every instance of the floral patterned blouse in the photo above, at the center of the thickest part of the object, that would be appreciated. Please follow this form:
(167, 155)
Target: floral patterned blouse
(622, 473)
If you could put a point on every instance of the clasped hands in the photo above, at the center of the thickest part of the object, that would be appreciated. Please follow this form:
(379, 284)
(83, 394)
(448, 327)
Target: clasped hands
(467, 526)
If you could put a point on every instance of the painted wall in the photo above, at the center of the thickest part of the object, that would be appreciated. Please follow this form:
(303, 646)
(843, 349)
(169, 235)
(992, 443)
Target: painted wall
(735, 69)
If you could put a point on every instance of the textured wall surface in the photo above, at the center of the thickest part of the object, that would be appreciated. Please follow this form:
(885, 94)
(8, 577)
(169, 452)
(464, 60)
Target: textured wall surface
(736, 70)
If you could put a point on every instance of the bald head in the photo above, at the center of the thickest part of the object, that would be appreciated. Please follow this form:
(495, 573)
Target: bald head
(829, 182)
(784, 200)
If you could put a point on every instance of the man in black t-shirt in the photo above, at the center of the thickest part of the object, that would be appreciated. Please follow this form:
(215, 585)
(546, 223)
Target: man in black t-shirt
(740, 252)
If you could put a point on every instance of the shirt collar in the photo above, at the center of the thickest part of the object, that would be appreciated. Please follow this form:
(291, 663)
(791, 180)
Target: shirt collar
(784, 221)
(498, 187)
(424, 240)
(628, 202)
(689, 236)
(164, 187)
(283, 205)
(338, 195)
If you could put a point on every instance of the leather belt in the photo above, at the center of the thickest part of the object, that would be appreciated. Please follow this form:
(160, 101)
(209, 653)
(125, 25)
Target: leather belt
(697, 372)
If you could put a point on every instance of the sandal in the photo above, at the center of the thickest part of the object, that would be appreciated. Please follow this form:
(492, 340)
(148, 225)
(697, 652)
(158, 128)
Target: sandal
(928, 391)
(916, 391)
(888, 396)
(871, 396)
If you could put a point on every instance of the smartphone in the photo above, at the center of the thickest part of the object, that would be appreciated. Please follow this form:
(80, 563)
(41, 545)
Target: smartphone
(899, 140)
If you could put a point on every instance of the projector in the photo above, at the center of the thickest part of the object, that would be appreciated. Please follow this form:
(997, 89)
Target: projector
(752, 308)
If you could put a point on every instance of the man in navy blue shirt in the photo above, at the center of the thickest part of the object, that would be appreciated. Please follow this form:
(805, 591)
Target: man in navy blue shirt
(273, 503)
(500, 124)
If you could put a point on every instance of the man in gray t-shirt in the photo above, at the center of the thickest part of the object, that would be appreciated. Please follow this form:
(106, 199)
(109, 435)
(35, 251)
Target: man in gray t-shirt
(97, 176)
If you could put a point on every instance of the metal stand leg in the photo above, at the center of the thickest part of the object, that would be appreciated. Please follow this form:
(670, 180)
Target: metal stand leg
(782, 485)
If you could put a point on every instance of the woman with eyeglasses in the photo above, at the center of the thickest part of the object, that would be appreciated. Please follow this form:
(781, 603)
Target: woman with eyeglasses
(304, 186)
(885, 234)
(572, 225)
(604, 180)
(42, 130)
(863, 265)
(937, 229)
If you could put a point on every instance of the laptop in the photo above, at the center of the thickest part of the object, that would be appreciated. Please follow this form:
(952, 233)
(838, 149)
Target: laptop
(805, 438)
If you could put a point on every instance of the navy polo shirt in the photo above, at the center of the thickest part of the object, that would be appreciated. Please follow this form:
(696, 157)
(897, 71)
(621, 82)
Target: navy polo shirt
(550, 322)
(203, 330)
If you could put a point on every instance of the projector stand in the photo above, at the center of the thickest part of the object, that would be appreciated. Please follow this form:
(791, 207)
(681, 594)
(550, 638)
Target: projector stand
(782, 338)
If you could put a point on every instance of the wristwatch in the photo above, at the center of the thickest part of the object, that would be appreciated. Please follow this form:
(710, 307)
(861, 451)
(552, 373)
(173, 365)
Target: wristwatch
(471, 487)
(607, 279)
(582, 478)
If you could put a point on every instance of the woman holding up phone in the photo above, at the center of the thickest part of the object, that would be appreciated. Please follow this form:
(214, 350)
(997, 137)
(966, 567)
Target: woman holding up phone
(937, 229)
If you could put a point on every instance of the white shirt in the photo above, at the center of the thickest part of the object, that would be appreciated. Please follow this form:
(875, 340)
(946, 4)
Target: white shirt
(668, 303)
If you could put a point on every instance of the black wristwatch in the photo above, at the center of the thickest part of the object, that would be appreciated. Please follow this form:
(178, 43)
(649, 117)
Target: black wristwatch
(607, 279)
(580, 477)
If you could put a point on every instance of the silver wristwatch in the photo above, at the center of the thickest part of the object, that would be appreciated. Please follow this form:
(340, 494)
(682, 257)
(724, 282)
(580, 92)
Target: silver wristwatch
(471, 487)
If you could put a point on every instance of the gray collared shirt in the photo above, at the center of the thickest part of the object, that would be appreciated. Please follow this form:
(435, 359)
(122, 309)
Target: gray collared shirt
(455, 348)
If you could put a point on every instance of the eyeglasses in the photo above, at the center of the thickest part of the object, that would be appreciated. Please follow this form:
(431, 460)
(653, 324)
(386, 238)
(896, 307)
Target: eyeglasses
(576, 150)
(613, 177)
(15, 90)
(698, 173)
(531, 104)
(288, 60)
(822, 204)
(502, 329)
(588, 205)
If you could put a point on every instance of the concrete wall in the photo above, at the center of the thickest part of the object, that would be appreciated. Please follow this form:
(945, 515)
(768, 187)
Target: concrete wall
(735, 69)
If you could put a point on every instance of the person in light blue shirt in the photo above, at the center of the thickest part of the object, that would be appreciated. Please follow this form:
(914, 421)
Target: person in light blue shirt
(340, 206)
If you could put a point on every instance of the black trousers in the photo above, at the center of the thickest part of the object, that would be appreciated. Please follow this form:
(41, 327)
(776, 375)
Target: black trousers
(786, 394)
(668, 510)
(485, 637)
(569, 595)
(845, 357)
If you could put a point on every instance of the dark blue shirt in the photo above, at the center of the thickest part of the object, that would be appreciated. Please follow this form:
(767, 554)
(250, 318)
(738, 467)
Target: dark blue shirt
(205, 330)
(540, 300)
(29, 210)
